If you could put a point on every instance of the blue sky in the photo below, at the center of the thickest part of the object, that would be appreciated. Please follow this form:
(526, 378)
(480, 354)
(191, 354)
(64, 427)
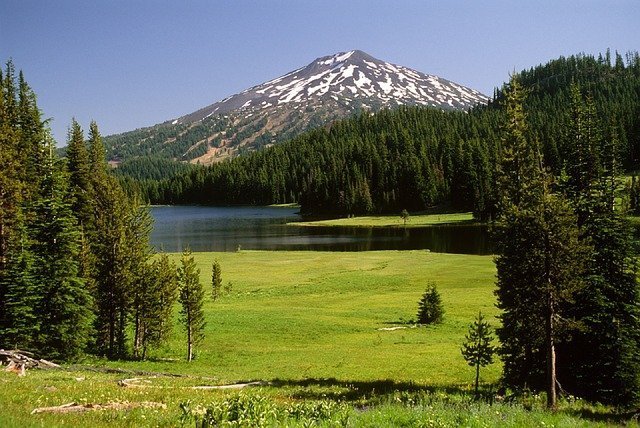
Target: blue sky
(129, 64)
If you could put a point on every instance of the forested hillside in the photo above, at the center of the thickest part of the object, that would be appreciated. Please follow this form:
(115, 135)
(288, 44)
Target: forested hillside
(412, 158)
(329, 88)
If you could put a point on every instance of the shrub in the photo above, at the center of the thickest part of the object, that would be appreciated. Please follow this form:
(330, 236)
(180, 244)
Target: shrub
(253, 410)
(430, 309)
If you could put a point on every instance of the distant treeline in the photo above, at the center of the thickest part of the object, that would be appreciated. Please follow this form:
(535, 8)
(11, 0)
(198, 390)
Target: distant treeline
(414, 157)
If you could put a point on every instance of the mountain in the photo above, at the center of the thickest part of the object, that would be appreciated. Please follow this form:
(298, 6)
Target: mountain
(330, 88)
(415, 158)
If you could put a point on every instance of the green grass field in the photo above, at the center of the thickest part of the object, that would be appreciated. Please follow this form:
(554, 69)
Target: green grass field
(312, 325)
(419, 220)
(297, 315)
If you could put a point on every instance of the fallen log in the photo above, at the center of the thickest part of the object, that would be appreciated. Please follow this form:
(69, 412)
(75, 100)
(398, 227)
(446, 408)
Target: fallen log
(137, 382)
(15, 368)
(77, 408)
(18, 361)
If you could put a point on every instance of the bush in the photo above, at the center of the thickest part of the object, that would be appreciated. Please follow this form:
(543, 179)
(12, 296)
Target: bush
(258, 411)
(430, 309)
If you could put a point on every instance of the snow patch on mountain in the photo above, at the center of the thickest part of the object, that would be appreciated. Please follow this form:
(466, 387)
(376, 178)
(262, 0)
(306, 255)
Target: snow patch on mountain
(346, 76)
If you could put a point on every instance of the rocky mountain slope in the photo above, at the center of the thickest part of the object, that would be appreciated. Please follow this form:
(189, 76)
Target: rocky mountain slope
(329, 88)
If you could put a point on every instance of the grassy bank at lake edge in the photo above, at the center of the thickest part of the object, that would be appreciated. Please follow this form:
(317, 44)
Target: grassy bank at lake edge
(419, 220)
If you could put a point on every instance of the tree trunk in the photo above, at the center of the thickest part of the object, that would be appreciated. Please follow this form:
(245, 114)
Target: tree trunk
(549, 330)
(112, 334)
(189, 344)
(477, 378)
(137, 336)
(3, 246)
(551, 355)
(121, 337)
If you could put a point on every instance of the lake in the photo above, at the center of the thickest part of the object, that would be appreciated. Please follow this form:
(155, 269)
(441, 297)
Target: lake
(265, 228)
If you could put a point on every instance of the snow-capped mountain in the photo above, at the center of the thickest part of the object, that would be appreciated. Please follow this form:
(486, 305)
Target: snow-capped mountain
(330, 88)
(348, 76)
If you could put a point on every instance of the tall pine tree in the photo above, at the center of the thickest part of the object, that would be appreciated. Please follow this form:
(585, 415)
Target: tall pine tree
(65, 303)
(602, 360)
(80, 178)
(539, 261)
(153, 305)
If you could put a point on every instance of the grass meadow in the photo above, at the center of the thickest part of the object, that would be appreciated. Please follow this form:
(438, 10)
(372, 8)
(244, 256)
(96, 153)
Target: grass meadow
(329, 333)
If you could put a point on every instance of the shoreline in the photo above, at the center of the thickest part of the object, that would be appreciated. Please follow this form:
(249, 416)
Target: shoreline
(393, 221)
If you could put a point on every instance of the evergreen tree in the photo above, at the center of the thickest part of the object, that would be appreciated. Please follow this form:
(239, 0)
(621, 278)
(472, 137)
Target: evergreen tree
(216, 280)
(113, 274)
(97, 154)
(191, 300)
(430, 308)
(32, 201)
(477, 349)
(83, 197)
(11, 183)
(602, 360)
(31, 147)
(65, 304)
(153, 306)
(137, 252)
(21, 294)
(540, 259)
(80, 178)
(404, 215)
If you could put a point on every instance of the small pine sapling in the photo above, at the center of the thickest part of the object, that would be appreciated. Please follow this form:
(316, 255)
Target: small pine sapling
(404, 215)
(228, 288)
(477, 349)
(430, 308)
(216, 280)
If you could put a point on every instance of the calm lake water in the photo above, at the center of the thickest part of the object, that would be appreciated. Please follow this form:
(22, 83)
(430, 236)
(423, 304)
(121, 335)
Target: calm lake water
(264, 228)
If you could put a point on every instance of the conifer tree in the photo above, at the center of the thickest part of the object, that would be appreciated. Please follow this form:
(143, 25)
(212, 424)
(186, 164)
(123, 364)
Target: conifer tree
(31, 146)
(65, 304)
(602, 360)
(21, 294)
(191, 299)
(97, 154)
(216, 280)
(118, 237)
(404, 215)
(540, 258)
(137, 252)
(11, 181)
(153, 306)
(430, 308)
(113, 274)
(477, 349)
(83, 197)
(80, 179)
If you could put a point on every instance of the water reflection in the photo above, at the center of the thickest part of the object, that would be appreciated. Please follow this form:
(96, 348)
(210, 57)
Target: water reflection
(264, 228)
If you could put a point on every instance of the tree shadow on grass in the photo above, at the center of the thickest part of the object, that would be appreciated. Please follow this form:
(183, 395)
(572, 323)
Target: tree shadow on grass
(620, 418)
(410, 323)
(351, 391)
(364, 394)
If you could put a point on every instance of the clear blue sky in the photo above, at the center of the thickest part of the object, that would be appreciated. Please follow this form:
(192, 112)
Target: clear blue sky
(134, 63)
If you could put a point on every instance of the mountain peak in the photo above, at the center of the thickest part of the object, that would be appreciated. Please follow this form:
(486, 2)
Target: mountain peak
(329, 88)
(353, 77)
(340, 57)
